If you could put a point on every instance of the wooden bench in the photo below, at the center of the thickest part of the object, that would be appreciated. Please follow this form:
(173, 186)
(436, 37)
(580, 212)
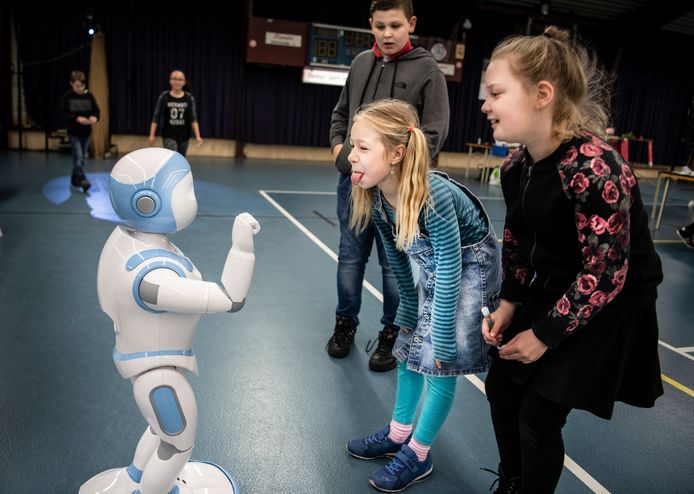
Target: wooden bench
(61, 136)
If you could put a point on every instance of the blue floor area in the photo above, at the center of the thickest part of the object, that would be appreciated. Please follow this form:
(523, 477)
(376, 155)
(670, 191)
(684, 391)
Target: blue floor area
(274, 409)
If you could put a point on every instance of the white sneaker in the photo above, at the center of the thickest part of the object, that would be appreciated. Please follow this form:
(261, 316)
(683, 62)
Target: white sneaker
(685, 170)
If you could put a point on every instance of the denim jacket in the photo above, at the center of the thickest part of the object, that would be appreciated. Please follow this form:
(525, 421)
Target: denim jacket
(480, 282)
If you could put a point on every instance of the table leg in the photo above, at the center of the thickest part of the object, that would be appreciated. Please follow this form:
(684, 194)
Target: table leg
(485, 167)
(655, 198)
(469, 161)
(662, 203)
(624, 147)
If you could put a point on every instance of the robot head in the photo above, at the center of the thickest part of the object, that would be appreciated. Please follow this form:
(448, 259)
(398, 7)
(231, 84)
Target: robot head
(151, 190)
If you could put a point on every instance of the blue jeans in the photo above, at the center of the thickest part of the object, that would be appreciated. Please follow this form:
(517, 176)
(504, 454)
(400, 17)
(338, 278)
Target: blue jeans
(353, 255)
(79, 146)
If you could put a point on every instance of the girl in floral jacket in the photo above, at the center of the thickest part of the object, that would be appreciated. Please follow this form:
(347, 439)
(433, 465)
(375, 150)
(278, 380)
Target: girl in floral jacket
(576, 327)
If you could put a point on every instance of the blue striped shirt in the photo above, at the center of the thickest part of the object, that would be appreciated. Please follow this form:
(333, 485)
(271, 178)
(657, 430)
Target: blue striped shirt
(454, 222)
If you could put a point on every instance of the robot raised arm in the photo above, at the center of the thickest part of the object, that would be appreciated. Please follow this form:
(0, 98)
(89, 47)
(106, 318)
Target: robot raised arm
(164, 288)
(238, 269)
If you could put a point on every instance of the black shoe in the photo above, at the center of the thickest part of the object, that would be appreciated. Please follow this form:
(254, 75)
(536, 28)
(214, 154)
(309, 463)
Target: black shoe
(342, 338)
(382, 360)
(686, 237)
(506, 485)
(86, 185)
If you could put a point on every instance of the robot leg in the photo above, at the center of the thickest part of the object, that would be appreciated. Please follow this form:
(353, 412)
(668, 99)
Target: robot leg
(148, 444)
(167, 402)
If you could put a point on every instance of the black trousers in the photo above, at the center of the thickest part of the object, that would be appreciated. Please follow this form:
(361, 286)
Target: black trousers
(528, 433)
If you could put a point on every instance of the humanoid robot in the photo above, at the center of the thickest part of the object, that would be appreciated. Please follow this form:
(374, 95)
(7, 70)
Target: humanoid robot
(155, 296)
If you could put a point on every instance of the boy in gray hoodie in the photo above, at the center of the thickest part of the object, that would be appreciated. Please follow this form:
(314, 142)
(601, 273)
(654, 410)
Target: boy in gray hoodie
(392, 69)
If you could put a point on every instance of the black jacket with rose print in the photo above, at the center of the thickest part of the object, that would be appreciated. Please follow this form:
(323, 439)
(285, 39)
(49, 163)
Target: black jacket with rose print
(576, 225)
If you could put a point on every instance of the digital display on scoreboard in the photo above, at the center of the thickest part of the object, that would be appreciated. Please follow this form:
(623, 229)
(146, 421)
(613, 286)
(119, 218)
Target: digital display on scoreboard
(334, 46)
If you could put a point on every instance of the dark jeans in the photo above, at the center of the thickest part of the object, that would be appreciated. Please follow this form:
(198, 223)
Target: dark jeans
(174, 145)
(352, 258)
(528, 433)
(80, 146)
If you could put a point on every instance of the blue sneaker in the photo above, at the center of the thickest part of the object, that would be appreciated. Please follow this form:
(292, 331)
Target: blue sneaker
(402, 471)
(374, 446)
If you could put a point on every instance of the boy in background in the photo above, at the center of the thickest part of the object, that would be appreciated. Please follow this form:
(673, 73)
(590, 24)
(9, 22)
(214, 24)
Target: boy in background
(81, 112)
(392, 69)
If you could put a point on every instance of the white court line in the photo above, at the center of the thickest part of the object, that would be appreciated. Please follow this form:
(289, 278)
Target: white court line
(372, 289)
(571, 465)
(302, 192)
(686, 349)
(681, 351)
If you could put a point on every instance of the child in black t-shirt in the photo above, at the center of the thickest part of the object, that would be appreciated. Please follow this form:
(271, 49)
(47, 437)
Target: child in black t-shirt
(175, 112)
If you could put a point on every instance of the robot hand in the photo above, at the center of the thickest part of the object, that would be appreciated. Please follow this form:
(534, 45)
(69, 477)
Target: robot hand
(245, 226)
(238, 269)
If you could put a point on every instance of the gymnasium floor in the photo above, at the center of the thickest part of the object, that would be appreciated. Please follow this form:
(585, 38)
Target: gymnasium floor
(274, 409)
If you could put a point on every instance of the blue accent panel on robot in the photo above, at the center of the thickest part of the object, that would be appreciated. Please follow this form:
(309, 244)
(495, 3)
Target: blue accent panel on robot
(159, 353)
(134, 473)
(141, 257)
(168, 410)
(161, 186)
(151, 267)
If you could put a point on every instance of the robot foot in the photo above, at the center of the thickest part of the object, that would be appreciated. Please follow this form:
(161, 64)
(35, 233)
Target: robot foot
(114, 481)
(197, 477)
(202, 477)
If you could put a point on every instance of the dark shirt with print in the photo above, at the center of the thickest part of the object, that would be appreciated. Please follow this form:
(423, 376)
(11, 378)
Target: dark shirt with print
(174, 116)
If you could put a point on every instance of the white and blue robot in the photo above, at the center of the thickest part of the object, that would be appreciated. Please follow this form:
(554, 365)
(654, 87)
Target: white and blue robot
(155, 296)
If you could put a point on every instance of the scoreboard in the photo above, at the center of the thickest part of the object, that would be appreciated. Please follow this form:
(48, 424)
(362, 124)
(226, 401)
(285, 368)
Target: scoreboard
(335, 46)
(316, 47)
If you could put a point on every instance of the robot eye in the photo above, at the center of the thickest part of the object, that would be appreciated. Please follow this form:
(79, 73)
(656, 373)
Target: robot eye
(145, 205)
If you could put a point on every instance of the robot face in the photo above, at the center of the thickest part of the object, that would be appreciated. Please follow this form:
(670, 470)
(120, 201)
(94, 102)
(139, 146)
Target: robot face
(183, 202)
(151, 190)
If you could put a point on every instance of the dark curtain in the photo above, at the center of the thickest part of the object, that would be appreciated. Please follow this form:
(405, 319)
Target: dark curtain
(280, 109)
(145, 41)
(51, 44)
(652, 95)
(5, 74)
(149, 41)
(468, 123)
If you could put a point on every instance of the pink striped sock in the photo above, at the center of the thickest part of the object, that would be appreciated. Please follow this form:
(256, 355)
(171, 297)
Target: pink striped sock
(420, 450)
(399, 432)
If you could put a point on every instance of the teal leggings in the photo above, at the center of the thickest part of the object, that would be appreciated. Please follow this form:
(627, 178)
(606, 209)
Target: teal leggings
(437, 402)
